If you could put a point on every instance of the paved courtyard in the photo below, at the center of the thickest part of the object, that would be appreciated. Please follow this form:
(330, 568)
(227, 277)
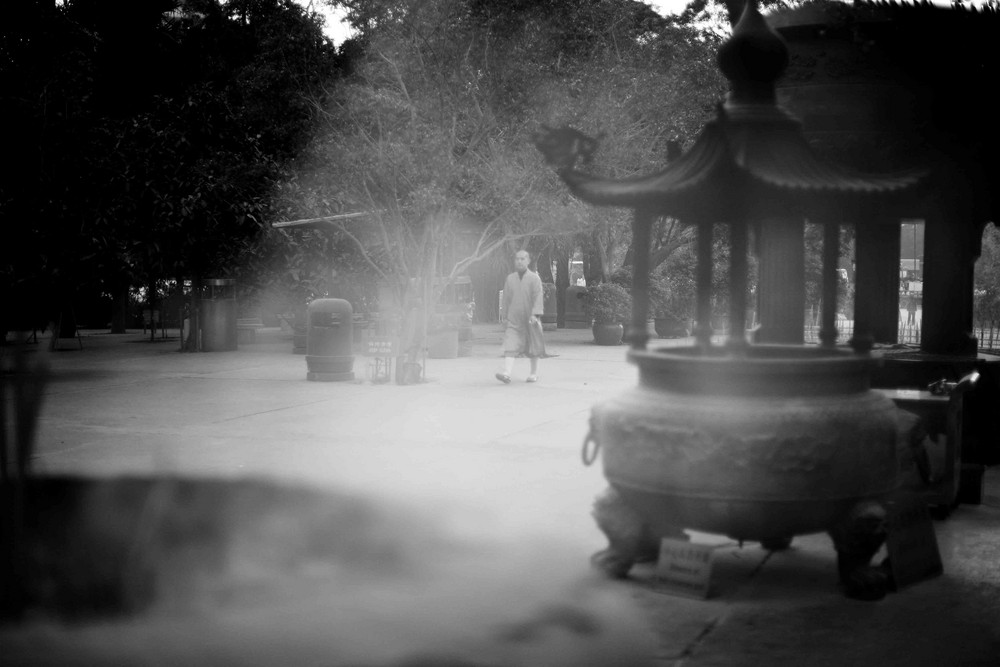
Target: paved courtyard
(508, 457)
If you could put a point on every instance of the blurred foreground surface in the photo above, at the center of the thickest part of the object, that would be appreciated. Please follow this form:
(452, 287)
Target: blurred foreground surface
(444, 523)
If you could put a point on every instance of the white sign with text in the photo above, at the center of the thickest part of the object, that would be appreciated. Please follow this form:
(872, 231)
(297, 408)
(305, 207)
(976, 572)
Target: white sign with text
(684, 567)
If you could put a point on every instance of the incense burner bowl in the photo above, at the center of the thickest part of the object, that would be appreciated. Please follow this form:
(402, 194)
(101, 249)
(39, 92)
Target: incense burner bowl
(762, 444)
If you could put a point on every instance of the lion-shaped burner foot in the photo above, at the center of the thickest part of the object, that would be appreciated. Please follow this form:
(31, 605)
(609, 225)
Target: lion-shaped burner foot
(630, 539)
(857, 538)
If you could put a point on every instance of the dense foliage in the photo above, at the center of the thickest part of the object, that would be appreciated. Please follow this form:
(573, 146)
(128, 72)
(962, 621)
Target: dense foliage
(148, 136)
(607, 303)
(430, 138)
(987, 280)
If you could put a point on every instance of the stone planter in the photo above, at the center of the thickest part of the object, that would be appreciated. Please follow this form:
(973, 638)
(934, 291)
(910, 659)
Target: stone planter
(608, 334)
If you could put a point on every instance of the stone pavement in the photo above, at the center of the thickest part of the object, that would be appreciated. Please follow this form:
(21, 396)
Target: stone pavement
(510, 454)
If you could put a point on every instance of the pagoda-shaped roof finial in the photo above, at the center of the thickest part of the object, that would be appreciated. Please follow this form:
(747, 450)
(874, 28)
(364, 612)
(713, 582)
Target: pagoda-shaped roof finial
(753, 58)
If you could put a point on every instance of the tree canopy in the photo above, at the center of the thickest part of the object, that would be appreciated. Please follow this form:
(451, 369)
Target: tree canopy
(148, 136)
(439, 113)
(159, 140)
(430, 137)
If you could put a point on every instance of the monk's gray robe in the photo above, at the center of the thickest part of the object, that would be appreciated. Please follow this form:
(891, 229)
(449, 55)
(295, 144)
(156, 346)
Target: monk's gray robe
(522, 298)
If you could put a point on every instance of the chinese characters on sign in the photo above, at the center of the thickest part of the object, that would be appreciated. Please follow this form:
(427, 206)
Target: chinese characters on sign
(381, 347)
(684, 567)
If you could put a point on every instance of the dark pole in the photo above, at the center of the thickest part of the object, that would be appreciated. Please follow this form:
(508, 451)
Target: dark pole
(642, 226)
(738, 285)
(831, 253)
(703, 282)
(862, 340)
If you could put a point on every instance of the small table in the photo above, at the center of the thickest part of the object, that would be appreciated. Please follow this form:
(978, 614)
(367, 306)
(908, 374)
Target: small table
(941, 427)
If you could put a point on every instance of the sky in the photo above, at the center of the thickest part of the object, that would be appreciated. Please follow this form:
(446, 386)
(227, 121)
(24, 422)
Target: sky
(337, 30)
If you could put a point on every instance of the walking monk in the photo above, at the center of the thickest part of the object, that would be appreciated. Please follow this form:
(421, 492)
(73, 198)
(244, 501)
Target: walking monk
(522, 310)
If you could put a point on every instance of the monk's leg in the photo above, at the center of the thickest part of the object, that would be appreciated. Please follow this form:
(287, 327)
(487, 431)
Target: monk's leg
(508, 363)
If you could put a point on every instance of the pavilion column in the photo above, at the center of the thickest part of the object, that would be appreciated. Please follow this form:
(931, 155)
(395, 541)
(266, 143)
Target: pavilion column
(953, 244)
(738, 234)
(876, 299)
(782, 290)
(703, 285)
(642, 226)
(831, 255)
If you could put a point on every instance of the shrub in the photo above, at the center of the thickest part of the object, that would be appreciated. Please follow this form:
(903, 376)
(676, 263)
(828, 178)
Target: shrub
(607, 303)
(671, 296)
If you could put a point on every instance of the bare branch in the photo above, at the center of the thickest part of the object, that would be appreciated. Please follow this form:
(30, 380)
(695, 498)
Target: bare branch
(312, 221)
(384, 230)
(481, 251)
(362, 249)
(402, 86)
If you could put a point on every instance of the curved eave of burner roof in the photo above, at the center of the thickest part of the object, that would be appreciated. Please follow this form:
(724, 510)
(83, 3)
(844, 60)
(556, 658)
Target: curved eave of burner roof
(752, 159)
(731, 169)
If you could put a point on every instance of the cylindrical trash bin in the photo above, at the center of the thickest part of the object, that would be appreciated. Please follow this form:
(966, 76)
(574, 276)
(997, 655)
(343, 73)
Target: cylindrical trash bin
(549, 305)
(575, 317)
(217, 315)
(329, 341)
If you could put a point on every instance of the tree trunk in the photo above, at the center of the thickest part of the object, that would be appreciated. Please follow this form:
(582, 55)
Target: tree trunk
(67, 321)
(151, 302)
(119, 310)
(629, 258)
(66, 324)
(593, 270)
(562, 282)
(544, 263)
(191, 344)
(181, 310)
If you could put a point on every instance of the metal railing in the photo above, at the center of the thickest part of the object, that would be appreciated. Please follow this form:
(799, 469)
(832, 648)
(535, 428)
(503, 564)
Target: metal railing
(908, 332)
(988, 334)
